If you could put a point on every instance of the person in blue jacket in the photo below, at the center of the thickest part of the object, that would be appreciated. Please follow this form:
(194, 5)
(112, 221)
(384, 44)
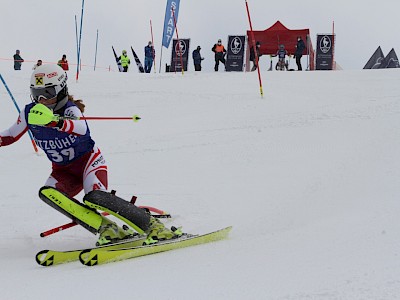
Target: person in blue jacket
(197, 59)
(149, 54)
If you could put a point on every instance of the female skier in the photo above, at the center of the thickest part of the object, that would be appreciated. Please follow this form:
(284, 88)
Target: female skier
(77, 163)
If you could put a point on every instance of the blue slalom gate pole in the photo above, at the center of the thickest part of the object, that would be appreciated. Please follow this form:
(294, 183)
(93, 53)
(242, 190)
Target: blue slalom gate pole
(79, 44)
(19, 111)
(95, 54)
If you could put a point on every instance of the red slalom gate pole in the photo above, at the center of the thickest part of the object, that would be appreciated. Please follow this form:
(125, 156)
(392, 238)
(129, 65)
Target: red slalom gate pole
(73, 223)
(253, 41)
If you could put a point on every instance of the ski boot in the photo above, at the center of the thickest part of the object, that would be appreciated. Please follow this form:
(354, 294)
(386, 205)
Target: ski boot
(158, 232)
(110, 233)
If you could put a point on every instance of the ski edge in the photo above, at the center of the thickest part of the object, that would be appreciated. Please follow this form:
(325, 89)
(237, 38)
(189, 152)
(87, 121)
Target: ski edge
(92, 257)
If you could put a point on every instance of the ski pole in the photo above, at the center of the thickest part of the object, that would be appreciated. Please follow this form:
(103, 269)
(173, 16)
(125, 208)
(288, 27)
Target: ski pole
(135, 118)
(39, 111)
(62, 227)
(19, 111)
(161, 214)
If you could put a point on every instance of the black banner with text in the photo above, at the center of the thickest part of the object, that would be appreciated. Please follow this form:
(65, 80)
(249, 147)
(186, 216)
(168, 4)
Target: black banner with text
(235, 53)
(324, 53)
(180, 55)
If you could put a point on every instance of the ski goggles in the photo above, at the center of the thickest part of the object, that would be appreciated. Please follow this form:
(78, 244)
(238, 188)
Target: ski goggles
(44, 93)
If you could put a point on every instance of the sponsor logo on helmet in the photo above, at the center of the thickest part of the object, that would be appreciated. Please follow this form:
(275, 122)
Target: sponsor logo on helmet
(40, 75)
(39, 80)
(51, 75)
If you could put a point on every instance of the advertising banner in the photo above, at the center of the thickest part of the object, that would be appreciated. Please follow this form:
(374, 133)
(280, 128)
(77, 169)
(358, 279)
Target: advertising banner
(324, 53)
(180, 54)
(235, 53)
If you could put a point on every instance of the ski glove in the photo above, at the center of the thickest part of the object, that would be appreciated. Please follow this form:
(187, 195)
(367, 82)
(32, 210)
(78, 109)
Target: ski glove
(58, 124)
(43, 116)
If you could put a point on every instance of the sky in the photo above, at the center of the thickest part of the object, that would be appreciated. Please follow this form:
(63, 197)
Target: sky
(45, 29)
(308, 176)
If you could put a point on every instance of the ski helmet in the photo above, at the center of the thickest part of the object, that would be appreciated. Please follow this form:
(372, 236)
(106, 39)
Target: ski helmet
(48, 82)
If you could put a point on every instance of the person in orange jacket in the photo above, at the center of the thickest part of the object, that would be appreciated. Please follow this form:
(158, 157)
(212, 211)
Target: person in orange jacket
(63, 63)
(220, 53)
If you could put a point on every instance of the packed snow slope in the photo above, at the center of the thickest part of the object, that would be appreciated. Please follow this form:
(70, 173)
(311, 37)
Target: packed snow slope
(308, 175)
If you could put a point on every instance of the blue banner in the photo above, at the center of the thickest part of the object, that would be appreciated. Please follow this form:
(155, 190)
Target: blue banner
(169, 23)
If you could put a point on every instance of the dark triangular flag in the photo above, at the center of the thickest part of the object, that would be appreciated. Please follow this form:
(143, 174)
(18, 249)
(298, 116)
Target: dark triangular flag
(390, 61)
(376, 59)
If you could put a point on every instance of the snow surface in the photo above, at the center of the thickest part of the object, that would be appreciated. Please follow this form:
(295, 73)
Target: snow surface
(308, 176)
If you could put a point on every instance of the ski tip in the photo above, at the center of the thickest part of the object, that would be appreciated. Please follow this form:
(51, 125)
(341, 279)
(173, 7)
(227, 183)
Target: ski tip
(227, 229)
(136, 118)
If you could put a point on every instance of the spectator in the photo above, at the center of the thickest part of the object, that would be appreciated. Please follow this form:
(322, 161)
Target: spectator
(18, 60)
(63, 63)
(197, 59)
(299, 52)
(253, 56)
(39, 63)
(149, 54)
(220, 53)
(125, 61)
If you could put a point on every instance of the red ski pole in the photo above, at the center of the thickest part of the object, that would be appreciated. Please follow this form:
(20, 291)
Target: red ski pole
(134, 118)
(63, 227)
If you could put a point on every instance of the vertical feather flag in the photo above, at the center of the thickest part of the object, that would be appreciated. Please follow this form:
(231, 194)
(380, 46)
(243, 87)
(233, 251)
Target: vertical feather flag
(169, 24)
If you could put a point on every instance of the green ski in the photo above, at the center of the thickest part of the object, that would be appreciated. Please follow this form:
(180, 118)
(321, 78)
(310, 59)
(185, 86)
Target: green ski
(48, 258)
(97, 256)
